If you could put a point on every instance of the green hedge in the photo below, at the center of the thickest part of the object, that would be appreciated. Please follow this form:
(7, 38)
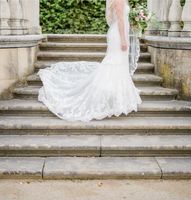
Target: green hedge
(75, 16)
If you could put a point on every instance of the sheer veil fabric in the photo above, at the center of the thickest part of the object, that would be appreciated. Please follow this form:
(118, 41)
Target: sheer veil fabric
(134, 45)
(87, 90)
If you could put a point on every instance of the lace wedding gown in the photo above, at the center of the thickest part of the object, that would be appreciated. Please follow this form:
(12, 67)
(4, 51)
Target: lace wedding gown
(85, 90)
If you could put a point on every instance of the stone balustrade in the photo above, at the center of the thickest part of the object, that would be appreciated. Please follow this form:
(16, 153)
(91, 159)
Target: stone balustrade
(170, 44)
(175, 20)
(19, 17)
(20, 35)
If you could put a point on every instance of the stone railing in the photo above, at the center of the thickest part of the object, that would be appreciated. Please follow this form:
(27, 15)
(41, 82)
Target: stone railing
(19, 17)
(170, 44)
(171, 15)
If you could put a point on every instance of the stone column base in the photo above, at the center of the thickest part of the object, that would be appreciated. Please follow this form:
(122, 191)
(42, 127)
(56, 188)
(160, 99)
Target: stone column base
(17, 58)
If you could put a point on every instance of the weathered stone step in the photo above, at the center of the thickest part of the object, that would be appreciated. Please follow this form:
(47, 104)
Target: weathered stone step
(142, 67)
(94, 145)
(78, 56)
(129, 167)
(78, 47)
(76, 38)
(96, 168)
(147, 93)
(19, 107)
(116, 125)
(79, 38)
(139, 79)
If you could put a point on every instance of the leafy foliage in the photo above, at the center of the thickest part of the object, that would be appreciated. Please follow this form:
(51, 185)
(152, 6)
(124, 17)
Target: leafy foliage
(135, 3)
(139, 16)
(75, 16)
(182, 2)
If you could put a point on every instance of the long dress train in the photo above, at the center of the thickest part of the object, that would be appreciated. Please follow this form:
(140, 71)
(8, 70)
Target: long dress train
(85, 90)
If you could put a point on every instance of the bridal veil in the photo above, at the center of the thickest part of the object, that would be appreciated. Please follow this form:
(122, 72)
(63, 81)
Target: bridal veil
(133, 40)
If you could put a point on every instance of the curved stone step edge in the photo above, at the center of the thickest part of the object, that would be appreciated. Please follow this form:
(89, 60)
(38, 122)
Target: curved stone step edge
(122, 125)
(57, 46)
(146, 94)
(95, 168)
(80, 54)
(84, 44)
(144, 90)
(73, 36)
(40, 64)
(92, 145)
(137, 78)
(80, 37)
(164, 106)
(76, 56)
(143, 67)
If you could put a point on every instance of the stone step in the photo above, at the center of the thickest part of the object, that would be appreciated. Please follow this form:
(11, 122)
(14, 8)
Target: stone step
(80, 38)
(79, 47)
(94, 145)
(139, 79)
(147, 93)
(19, 107)
(117, 125)
(77, 38)
(142, 67)
(79, 56)
(95, 168)
(20, 167)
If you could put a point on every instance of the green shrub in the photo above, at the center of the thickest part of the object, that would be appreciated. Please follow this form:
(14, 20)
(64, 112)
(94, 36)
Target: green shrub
(75, 16)
(182, 2)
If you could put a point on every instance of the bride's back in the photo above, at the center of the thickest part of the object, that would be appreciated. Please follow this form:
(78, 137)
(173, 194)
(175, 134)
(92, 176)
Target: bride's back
(114, 8)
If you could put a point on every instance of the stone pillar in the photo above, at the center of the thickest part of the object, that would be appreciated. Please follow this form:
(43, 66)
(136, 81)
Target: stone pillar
(24, 17)
(175, 13)
(32, 10)
(16, 17)
(186, 18)
(4, 18)
(152, 6)
(163, 16)
(19, 17)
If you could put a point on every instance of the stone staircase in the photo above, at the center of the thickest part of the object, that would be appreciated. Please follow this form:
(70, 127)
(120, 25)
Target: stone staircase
(154, 142)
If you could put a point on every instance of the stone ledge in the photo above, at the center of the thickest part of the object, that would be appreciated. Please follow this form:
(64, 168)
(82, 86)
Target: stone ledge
(101, 168)
(20, 167)
(24, 105)
(113, 124)
(76, 35)
(95, 168)
(95, 145)
(178, 43)
(175, 167)
(20, 41)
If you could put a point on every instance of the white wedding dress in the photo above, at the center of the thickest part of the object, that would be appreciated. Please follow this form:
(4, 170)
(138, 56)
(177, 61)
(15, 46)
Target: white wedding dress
(85, 90)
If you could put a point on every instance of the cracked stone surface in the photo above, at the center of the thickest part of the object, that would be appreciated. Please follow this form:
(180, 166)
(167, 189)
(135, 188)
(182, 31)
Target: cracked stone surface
(95, 167)
(174, 167)
(13, 167)
(131, 167)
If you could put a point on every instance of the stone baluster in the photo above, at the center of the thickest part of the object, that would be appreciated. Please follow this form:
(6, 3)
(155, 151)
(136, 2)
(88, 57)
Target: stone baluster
(186, 18)
(4, 18)
(24, 5)
(174, 17)
(32, 14)
(152, 6)
(163, 16)
(16, 17)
